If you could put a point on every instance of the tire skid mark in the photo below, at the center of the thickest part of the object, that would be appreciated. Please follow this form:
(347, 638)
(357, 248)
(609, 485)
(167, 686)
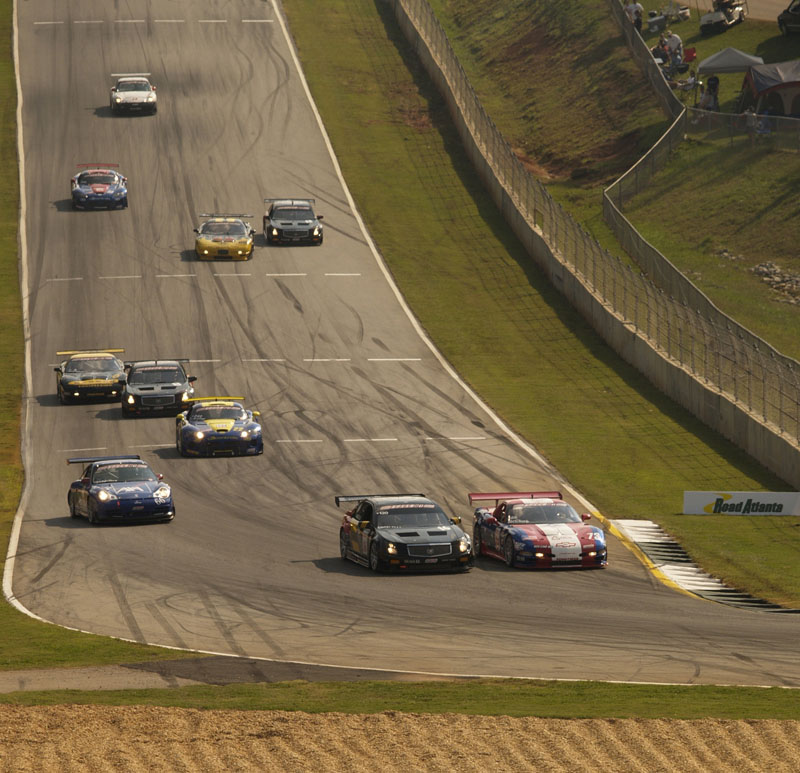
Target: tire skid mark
(224, 628)
(153, 608)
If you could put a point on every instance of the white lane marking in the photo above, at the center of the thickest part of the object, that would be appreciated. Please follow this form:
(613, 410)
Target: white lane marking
(173, 276)
(457, 437)
(394, 359)
(265, 359)
(342, 274)
(193, 360)
(155, 445)
(370, 440)
(231, 274)
(326, 359)
(129, 276)
(47, 22)
(212, 21)
(75, 450)
(66, 279)
(285, 274)
(298, 441)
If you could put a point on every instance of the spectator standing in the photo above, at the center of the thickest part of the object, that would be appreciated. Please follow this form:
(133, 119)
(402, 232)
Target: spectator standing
(674, 42)
(629, 9)
(638, 11)
(712, 90)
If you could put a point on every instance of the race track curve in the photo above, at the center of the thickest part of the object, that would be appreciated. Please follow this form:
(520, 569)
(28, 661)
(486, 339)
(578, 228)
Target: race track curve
(352, 398)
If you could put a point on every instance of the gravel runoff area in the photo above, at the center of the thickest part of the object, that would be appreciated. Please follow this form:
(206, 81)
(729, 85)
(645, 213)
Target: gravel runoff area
(97, 738)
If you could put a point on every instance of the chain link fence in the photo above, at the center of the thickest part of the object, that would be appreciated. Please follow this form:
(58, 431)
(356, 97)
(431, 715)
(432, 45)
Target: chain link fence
(657, 303)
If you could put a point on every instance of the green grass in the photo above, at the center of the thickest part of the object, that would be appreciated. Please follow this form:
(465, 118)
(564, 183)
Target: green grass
(630, 450)
(574, 700)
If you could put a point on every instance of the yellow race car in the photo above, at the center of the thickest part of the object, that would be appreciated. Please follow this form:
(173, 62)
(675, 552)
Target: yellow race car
(226, 237)
(89, 373)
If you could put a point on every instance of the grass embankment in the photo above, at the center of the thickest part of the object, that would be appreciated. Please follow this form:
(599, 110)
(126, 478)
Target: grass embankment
(630, 450)
(575, 700)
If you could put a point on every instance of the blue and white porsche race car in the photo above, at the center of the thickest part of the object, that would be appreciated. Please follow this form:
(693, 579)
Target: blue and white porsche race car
(119, 489)
(218, 426)
(99, 186)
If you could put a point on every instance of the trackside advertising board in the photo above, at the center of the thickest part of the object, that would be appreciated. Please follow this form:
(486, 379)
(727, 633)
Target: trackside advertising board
(741, 503)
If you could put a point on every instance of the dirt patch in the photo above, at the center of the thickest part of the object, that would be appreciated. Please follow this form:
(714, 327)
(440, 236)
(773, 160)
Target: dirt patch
(138, 738)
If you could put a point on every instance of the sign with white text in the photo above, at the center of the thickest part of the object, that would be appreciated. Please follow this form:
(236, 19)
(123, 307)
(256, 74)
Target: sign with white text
(741, 503)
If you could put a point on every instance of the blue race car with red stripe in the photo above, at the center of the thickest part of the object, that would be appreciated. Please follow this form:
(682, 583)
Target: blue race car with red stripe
(536, 529)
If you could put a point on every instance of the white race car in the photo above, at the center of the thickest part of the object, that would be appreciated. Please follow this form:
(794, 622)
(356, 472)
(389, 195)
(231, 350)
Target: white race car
(133, 93)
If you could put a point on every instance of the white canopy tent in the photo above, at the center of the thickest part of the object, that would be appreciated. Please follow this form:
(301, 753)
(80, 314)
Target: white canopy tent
(728, 60)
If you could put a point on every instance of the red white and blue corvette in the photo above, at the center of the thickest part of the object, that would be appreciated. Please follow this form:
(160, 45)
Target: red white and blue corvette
(536, 529)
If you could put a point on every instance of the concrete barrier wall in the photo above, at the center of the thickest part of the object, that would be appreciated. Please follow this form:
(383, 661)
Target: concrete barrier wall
(774, 451)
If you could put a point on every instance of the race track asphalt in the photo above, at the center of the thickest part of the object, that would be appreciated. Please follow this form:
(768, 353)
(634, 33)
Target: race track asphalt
(353, 400)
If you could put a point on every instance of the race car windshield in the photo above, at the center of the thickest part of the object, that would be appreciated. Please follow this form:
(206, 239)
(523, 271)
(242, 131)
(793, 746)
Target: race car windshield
(223, 229)
(156, 376)
(285, 213)
(212, 412)
(560, 513)
(133, 86)
(95, 178)
(92, 365)
(411, 517)
(123, 473)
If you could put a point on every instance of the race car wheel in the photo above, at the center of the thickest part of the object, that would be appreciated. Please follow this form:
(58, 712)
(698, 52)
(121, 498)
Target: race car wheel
(374, 560)
(93, 513)
(73, 513)
(477, 544)
(62, 398)
(179, 443)
(343, 545)
(508, 552)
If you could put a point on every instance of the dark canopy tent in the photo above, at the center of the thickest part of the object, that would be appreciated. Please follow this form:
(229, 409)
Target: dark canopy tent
(773, 87)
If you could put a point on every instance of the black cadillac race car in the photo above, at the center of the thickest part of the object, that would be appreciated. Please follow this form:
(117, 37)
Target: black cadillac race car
(155, 386)
(402, 531)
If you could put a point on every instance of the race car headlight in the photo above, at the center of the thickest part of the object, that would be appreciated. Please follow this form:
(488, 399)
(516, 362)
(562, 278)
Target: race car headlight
(118, 194)
(162, 492)
(244, 434)
(151, 97)
(317, 229)
(274, 231)
(185, 396)
(118, 99)
(199, 434)
(463, 544)
(131, 399)
(539, 555)
(105, 496)
(391, 549)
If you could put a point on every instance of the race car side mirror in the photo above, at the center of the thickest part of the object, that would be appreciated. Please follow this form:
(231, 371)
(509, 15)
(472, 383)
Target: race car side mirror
(113, 88)
(57, 370)
(160, 476)
(195, 230)
(585, 516)
(252, 232)
(257, 413)
(122, 381)
(192, 379)
(491, 520)
(320, 217)
(455, 519)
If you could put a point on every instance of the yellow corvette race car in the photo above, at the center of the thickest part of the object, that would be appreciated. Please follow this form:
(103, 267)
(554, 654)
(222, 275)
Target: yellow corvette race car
(89, 373)
(226, 237)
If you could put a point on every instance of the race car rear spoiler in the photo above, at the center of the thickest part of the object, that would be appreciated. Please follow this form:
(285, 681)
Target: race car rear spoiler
(212, 397)
(222, 214)
(291, 199)
(92, 351)
(162, 361)
(498, 496)
(99, 165)
(130, 74)
(90, 459)
(359, 497)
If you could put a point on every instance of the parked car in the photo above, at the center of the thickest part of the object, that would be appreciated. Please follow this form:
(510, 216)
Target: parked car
(789, 20)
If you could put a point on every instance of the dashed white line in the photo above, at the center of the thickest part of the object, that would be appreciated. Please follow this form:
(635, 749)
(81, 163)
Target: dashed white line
(128, 276)
(461, 438)
(394, 359)
(46, 22)
(212, 21)
(298, 441)
(370, 440)
(76, 450)
(326, 359)
(194, 360)
(66, 279)
(155, 445)
(173, 276)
